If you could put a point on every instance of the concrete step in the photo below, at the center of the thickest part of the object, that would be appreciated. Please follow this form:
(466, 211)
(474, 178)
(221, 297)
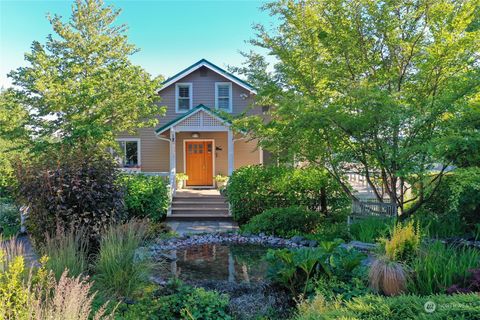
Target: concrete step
(200, 211)
(195, 217)
(188, 201)
(199, 206)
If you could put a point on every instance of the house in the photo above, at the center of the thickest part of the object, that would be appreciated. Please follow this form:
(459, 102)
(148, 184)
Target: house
(195, 137)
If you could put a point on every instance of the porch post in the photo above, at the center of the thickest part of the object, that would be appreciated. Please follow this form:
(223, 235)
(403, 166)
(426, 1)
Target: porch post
(172, 161)
(230, 152)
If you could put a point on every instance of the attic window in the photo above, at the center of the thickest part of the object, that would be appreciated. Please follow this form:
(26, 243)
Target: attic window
(223, 96)
(183, 93)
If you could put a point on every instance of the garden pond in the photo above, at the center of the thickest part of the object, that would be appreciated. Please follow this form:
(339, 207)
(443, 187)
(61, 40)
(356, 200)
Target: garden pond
(236, 263)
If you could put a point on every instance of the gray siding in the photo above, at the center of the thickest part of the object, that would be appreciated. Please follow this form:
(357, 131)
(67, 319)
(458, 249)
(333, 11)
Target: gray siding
(155, 153)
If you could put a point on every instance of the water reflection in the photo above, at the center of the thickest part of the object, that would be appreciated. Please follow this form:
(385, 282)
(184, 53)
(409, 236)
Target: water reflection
(235, 263)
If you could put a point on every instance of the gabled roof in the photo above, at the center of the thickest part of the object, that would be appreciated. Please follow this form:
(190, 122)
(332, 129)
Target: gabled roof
(189, 114)
(211, 66)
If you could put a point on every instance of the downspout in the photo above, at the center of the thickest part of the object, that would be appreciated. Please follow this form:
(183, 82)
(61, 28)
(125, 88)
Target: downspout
(169, 210)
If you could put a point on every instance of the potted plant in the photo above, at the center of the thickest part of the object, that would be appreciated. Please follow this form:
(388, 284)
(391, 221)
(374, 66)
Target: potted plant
(221, 181)
(181, 178)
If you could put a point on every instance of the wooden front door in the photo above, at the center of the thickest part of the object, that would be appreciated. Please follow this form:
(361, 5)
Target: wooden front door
(199, 163)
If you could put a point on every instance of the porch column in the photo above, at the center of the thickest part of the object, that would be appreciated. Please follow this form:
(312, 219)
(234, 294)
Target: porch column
(230, 152)
(173, 170)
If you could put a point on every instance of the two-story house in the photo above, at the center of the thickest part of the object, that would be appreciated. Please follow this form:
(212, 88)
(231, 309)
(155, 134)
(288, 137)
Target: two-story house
(193, 137)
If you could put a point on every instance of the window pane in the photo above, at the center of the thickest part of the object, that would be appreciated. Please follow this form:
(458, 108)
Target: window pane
(183, 103)
(184, 91)
(131, 154)
(223, 90)
(224, 103)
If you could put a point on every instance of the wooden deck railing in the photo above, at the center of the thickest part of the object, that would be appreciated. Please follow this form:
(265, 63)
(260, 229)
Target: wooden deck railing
(374, 208)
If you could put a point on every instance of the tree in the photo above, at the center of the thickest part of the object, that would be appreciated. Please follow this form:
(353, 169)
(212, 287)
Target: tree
(369, 86)
(15, 136)
(81, 86)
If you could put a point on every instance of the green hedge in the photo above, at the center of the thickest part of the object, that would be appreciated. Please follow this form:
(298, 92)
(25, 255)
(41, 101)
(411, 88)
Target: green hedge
(404, 307)
(254, 189)
(145, 196)
(284, 222)
(456, 202)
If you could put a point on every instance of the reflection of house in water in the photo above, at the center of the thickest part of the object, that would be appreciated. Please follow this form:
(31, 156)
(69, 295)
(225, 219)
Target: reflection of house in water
(215, 262)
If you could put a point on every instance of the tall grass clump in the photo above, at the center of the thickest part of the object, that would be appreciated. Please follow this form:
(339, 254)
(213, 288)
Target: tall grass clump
(66, 251)
(119, 271)
(370, 229)
(35, 293)
(439, 266)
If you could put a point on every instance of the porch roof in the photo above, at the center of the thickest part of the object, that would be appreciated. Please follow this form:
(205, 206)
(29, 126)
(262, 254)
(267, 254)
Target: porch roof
(190, 113)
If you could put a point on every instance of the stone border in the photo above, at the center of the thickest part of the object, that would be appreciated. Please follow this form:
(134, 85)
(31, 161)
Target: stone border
(231, 238)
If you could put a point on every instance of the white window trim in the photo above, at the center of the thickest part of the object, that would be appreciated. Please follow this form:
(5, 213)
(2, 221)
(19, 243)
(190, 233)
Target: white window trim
(139, 151)
(190, 86)
(230, 103)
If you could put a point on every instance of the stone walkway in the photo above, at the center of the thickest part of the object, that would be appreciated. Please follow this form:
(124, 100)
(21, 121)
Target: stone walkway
(191, 227)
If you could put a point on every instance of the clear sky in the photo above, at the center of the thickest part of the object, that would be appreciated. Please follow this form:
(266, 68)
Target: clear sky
(170, 34)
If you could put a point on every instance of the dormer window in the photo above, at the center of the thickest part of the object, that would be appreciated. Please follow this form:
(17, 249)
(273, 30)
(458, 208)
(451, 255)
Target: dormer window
(183, 93)
(223, 96)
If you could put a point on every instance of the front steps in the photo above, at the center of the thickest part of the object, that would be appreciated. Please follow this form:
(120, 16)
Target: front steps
(199, 207)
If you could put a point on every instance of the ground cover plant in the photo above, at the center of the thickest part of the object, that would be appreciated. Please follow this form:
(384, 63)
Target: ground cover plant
(410, 307)
(298, 269)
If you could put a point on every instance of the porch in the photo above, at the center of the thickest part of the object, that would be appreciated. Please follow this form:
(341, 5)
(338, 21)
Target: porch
(201, 145)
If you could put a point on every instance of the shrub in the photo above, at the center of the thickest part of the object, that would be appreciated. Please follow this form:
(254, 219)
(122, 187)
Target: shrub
(66, 251)
(370, 229)
(119, 270)
(404, 242)
(253, 189)
(184, 302)
(145, 196)
(439, 266)
(284, 222)
(403, 307)
(457, 198)
(9, 218)
(73, 191)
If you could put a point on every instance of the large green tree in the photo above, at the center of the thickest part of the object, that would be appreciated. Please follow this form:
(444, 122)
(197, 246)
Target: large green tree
(81, 86)
(374, 87)
(15, 136)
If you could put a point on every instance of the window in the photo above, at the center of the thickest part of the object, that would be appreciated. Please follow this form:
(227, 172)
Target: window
(183, 92)
(129, 153)
(223, 96)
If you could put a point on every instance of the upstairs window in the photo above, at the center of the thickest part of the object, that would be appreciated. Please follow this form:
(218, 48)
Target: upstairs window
(129, 156)
(183, 92)
(223, 96)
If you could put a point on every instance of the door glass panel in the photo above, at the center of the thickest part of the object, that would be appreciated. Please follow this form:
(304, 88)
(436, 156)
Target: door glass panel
(200, 148)
(190, 149)
(209, 147)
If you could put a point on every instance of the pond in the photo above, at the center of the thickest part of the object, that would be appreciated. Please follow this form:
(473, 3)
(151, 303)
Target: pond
(236, 263)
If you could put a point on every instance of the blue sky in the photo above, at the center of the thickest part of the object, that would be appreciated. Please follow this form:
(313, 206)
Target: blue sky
(171, 34)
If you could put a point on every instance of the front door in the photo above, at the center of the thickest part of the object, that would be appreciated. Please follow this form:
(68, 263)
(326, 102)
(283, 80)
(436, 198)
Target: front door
(199, 163)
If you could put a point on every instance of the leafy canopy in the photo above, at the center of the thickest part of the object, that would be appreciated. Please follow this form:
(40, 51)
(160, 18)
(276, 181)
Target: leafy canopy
(373, 87)
(81, 85)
